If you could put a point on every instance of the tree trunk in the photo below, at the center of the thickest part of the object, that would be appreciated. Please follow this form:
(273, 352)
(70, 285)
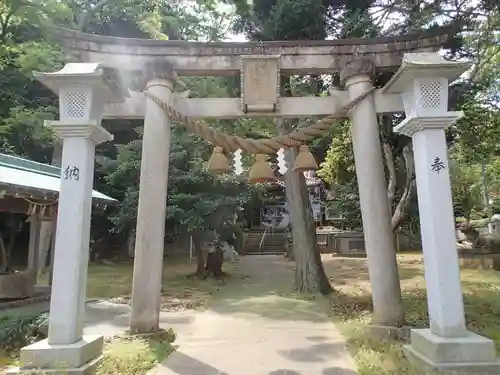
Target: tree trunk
(467, 218)
(486, 197)
(289, 246)
(310, 275)
(44, 244)
(399, 212)
(131, 243)
(198, 249)
(215, 260)
(391, 168)
(10, 247)
(4, 258)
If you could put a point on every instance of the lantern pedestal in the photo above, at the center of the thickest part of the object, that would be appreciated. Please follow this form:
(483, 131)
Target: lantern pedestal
(468, 354)
(78, 358)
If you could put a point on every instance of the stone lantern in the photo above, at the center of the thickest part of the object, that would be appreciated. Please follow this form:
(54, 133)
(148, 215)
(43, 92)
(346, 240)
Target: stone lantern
(422, 81)
(83, 89)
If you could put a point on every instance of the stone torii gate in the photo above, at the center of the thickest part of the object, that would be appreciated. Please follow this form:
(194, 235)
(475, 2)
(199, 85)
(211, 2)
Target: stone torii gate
(92, 90)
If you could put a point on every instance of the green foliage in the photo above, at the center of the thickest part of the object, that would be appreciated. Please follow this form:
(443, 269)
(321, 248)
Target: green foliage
(466, 188)
(197, 200)
(296, 20)
(338, 166)
(23, 133)
(281, 19)
(16, 332)
(24, 103)
(347, 204)
(38, 56)
(357, 20)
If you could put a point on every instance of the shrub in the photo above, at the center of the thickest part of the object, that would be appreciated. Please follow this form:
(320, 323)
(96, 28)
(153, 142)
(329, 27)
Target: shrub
(16, 332)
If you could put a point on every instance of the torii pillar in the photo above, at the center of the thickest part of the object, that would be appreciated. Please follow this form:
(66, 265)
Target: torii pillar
(158, 79)
(375, 212)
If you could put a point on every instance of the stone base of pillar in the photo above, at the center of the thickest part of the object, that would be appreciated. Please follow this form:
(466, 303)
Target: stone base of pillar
(78, 358)
(470, 354)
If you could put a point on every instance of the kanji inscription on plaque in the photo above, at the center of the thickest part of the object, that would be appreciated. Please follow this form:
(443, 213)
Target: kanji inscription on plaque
(260, 83)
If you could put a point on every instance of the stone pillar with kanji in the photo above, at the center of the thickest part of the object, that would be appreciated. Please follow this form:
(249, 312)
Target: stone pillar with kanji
(83, 88)
(446, 345)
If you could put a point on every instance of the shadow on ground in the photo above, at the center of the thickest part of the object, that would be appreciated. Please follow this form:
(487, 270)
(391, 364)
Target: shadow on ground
(314, 353)
(108, 319)
(267, 290)
(327, 371)
(182, 364)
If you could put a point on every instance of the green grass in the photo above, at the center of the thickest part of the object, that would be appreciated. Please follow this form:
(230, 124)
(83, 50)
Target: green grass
(114, 280)
(352, 309)
(179, 285)
(130, 356)
(135, 355)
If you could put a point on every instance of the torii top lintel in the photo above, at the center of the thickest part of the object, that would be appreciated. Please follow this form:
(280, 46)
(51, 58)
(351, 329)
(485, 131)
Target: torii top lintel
(222, 58)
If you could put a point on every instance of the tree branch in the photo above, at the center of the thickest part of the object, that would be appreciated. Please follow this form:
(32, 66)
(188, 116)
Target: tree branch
(4, 24)
(85, 16)
(389, 161)
(399, 211)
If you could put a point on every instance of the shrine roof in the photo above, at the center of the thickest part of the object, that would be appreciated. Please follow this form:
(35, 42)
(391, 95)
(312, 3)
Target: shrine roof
(20, 175)
(222, 58)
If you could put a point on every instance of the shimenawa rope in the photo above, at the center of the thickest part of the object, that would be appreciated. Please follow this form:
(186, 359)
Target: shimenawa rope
(256, 146)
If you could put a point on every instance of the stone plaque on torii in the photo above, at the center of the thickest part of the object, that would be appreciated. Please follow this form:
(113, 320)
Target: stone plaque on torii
(260, 84)
(447, 344)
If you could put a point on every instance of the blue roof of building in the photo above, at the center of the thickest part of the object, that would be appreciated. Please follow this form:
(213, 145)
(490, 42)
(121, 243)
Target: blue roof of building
(24, 174)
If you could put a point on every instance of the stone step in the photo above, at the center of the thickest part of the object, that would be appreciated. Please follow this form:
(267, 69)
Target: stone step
(257, 254)
(257, 245)
(276, 249)
(275, 240)
(274, 243)
(265, 253)
(273, 248)
(265, 243)
(262, 230)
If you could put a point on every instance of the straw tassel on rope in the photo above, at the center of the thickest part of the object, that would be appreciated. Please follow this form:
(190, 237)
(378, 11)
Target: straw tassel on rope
(261, 171)
(305, 160)
(218, 162)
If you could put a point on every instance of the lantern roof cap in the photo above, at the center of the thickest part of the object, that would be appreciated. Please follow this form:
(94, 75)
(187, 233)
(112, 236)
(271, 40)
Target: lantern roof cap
(424, 64)
(89, 74)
